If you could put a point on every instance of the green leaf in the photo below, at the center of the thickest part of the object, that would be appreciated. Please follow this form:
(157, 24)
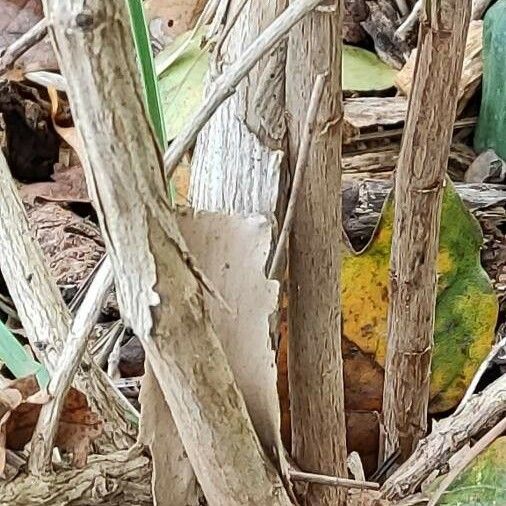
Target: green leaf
(17, 359)
(483, 481)
(182, 68)
(364, 71)
(145, 60)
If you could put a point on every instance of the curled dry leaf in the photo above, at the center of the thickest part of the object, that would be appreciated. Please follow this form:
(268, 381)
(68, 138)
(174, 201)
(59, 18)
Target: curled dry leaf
(20, 404)
(68, 185)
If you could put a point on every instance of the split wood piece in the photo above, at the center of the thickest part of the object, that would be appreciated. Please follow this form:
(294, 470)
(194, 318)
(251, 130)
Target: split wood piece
(44, 315)
(150, 260)
(332, 481)
(381, 25)
(397, 132)
(362, 114)
(22, 45)
(482, 411)
(316, 365)
(419, 185)
(117, 479)
(226, 84)
(43, 438)
(308, 133)
(466, 459)
(471, 72)
(382, 161)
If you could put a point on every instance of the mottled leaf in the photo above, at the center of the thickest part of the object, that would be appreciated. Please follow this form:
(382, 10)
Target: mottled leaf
(466, 311)
(483, 481)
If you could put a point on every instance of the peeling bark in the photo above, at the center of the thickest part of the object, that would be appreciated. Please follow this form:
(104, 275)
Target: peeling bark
(419, 185)
(236, 164)
(160, 292)
(315, 360)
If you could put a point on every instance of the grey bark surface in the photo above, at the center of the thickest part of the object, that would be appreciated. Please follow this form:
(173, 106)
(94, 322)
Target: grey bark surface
(237, 158)
(160, 291)
(315, 360)
(118, 479)
(420, 177)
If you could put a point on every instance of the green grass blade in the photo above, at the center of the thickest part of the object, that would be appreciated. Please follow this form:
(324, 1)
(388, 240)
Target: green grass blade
(145, 60)
(17, 359)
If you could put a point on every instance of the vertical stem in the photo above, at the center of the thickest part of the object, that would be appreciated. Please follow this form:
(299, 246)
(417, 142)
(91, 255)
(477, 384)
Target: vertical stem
(418, 197)
(315, 360)
(146, 65)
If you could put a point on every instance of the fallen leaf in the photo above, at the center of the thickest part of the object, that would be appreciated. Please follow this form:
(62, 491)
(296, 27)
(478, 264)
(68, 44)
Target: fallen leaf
(364, 71)
(68, 185)
(18, 16)
(482, 482)
(466, 313)
(20, 404)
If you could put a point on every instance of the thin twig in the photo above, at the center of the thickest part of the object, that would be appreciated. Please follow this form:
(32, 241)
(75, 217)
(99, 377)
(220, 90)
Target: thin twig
(409, 23)
(22, 45)
(225, 85)
(402, 6)
(300, 169)
(478, 448)
(483, 367)
(332, 481)
(73, 351)
(447, 437)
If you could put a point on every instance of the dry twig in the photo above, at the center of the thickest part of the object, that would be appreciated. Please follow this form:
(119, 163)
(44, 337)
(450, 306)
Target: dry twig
(22, 45)
(300, 169)
(73, 351)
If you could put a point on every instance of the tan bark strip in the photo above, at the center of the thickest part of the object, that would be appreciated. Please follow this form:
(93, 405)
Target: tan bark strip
(22, 45)
(418, 189)
(44, 315)
(226, 84)
(159, 292)
(73, 350)
(483, 410)
(118, 479)
(315, 363)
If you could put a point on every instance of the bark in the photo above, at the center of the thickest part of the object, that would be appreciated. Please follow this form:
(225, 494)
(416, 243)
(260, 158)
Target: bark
(236, 163)
(160, 292)
(482, 411)
(118, 479)
(315, 361)
(419, 188)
